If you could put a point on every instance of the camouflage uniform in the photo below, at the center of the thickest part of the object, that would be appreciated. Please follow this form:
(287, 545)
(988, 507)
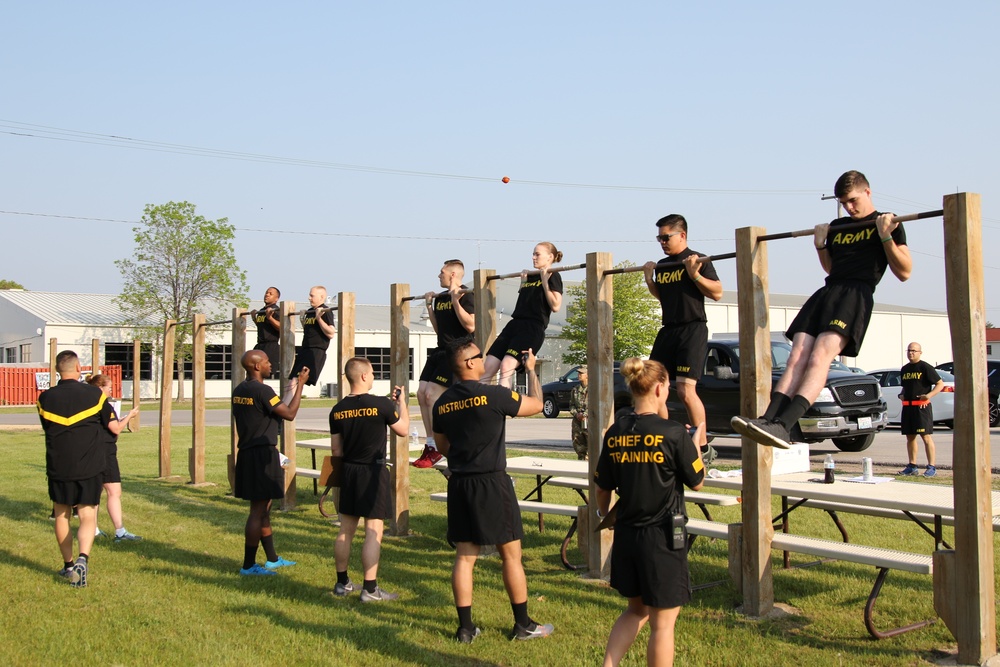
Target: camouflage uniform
(577, 407)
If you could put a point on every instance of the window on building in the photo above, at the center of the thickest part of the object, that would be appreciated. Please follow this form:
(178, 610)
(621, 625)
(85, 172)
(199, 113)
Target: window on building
(26, 353)
(218, 363)
(120, 354)
(11, 356)
(381, 360)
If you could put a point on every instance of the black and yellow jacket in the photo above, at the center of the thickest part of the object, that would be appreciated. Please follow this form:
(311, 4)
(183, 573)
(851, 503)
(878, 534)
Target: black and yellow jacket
(75, 417)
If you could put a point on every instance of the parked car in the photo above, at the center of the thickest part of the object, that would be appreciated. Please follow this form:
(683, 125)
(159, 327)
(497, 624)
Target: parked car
(992, 383)
(555, 395)
(943, 403)
(849, 410)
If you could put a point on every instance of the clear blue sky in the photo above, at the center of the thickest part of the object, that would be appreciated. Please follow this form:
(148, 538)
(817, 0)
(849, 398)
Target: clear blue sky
(605, 116)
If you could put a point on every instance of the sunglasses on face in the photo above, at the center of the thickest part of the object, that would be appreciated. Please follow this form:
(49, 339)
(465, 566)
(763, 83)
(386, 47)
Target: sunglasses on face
(475, 356)
(663, 238)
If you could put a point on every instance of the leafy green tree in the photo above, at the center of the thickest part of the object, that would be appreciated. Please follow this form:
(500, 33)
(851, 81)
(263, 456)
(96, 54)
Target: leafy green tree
(181, 264)
(10, 284)
(635, 315)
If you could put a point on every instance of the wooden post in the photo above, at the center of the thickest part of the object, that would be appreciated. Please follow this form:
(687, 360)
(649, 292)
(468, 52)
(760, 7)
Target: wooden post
(53, 353)
(95, 356)
(485, 297)
(345, 339)
(755, 391)
(237, 375)
(167, 394)
(399, 375)
(196, 458)
(135, 422)
(973, 592)
(601, 391)
(287, 346)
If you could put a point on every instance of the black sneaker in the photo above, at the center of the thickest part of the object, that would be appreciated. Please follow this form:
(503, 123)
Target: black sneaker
(534, 631)
(770, 434)
(466, 636)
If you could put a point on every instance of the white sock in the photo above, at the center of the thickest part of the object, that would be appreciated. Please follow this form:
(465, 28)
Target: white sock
(120, 531)
(430, 443)
(97, 531)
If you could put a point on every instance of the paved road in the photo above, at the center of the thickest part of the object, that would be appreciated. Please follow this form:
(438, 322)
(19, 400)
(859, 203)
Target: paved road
(888, 449)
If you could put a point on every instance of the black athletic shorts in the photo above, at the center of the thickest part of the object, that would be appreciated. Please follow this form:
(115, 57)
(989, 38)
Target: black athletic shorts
(77, 492)
(916, 420)
(313, 358)
(516, 337)
(483, 509)
(438, 368)
(682, 349)
(364, 491)
(112, 473)
(273, 353)
(643, 566)
(845, 308)
(259, 475)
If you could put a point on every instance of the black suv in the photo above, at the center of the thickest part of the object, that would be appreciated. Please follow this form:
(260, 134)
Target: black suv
(992, 382)
(555, 395)
(849, 410)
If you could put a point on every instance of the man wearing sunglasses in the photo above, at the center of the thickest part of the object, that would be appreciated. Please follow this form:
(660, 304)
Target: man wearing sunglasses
(680, 282)
(469, 428)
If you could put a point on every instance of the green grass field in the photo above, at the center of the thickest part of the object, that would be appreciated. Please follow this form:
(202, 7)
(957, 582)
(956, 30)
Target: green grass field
(176, 597)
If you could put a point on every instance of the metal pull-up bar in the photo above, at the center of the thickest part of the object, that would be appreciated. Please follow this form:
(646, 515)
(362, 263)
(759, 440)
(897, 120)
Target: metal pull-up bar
(537, 272)
(701, 260)
(415, 297)
(851, 225)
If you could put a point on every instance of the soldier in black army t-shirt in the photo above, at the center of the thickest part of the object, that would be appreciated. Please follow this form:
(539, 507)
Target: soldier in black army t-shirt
(318, 327)
(682, 343)
(649, 460)
(357, 434)
(469, 427)
(539, 296)
(269, 328)
(257, 411)
(452, 314)
(835, 318)
(75, 417)
(920, 382)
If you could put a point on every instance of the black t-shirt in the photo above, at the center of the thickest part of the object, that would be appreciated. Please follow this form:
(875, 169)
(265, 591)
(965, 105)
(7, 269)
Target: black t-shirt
(75, 418)
(266, 332)
(448, 327)
(531, 302)
(312, 335)
(680, 299)
(473, 416)
(858, 254)
(253, 411)
(917, 379)
(360, 421)
(649, 460)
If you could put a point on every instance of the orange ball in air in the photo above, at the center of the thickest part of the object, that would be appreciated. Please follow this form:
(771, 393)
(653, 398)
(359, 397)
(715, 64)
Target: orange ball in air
(505, 179)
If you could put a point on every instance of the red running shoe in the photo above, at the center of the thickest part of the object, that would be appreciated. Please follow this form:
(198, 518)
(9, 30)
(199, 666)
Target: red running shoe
(428, 458)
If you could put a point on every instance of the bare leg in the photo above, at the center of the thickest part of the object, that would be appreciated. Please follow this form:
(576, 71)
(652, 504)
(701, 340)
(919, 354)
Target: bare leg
(812, 378)
(624, 631)
(63, 535)
(372, 548)
(513, 572)
(88, 524)
(911, 449)
(461, 574)
(490, 367)
(660, 651)
(695, 408)
(802, 345)
(342, 545)
(290, 391)
(427, 395)
(114, 502)
(508, 371)
(929, 449)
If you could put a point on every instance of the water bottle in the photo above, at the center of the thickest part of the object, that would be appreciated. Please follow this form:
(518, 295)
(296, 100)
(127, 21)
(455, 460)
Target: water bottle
(414, 437)
(828, 469)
